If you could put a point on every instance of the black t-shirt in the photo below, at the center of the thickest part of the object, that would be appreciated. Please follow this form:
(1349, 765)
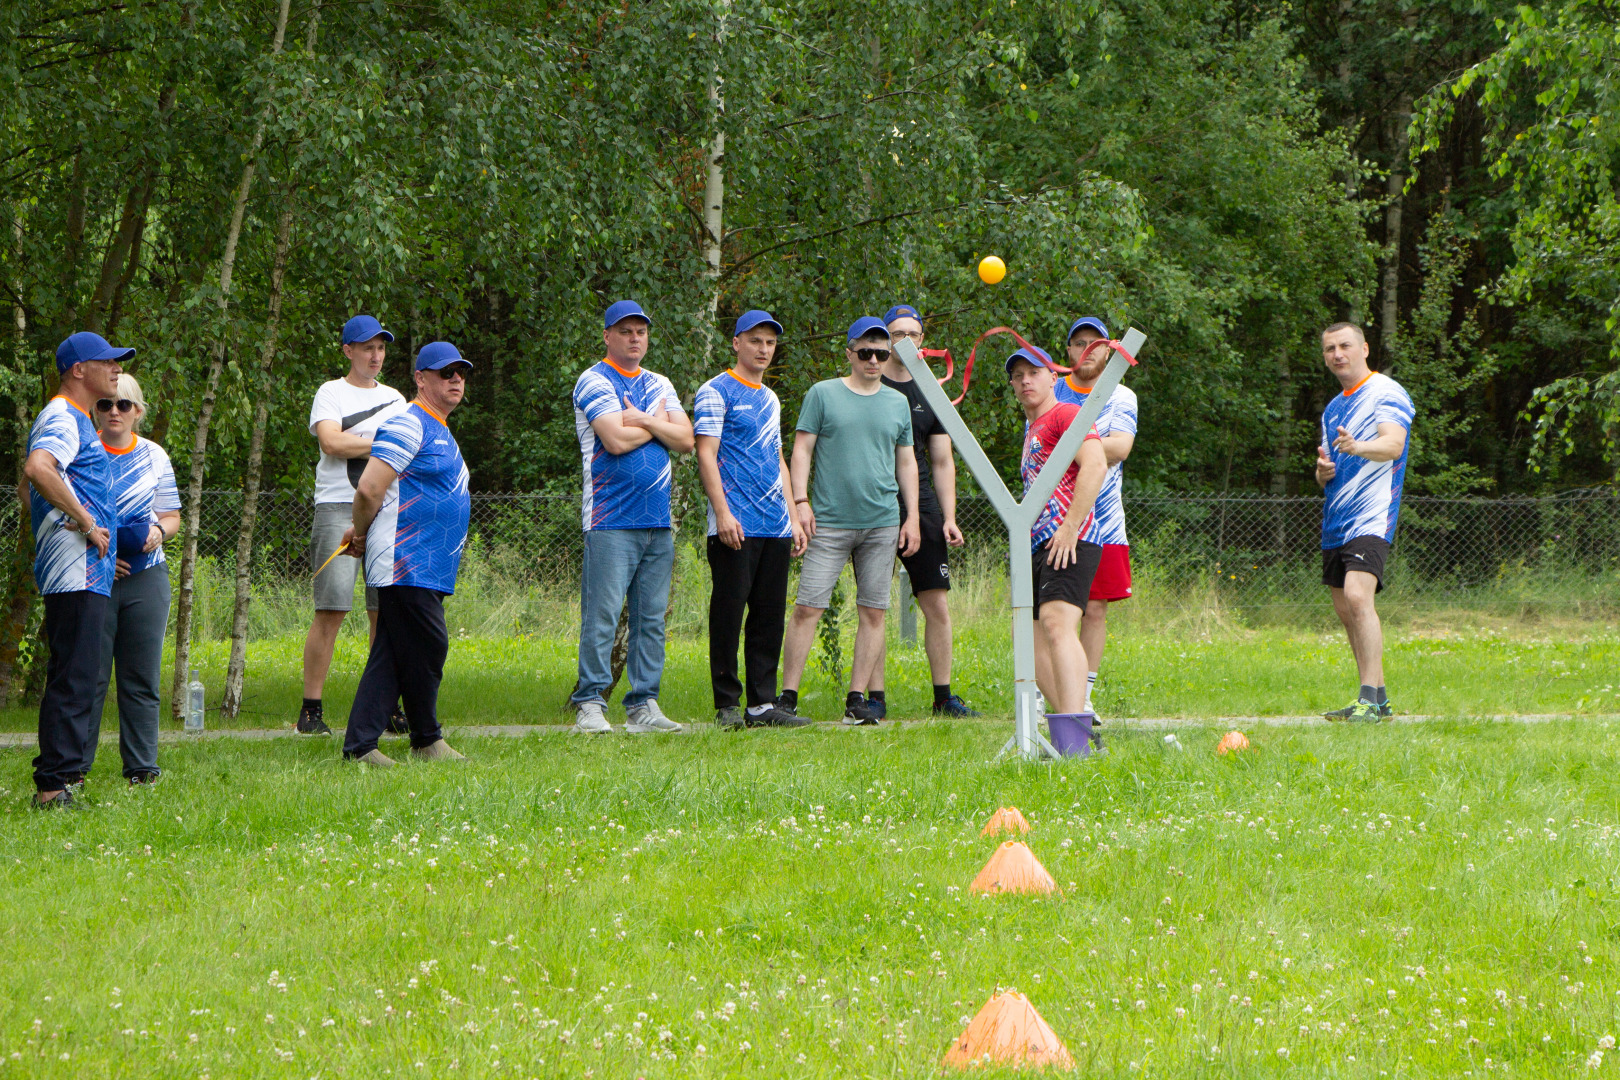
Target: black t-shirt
(923, 424)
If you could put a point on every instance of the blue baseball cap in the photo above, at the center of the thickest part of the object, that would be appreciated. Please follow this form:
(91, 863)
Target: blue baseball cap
(624, 309)
(364, 328)
(438, 354)
(750, 319)
(901, 311)
(84, 346)
(864, 325)
(1087, 320)
(1032, 355)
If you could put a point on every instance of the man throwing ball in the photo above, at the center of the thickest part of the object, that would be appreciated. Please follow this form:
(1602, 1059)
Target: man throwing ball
(1361, 463)
(1063, 564)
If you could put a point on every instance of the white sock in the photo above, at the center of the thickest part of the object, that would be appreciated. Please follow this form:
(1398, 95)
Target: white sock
(760, 710)
(1091, 684)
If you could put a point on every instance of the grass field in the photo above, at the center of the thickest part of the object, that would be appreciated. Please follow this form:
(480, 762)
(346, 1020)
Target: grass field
(1410, 901)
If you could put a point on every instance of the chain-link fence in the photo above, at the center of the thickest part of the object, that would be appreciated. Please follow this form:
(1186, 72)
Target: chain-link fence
(1254, 557)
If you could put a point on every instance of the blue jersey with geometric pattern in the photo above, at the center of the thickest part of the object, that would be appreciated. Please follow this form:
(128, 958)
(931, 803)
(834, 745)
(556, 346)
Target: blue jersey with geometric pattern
(418, 535)
(629, 490)
(1119, 415)
(143, 487)
(1364, 497)
(747, 419)
(64, 560)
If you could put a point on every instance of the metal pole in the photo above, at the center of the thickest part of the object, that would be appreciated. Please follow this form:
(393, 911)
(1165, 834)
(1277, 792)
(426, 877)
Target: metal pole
(1019, 517)
(908, 611)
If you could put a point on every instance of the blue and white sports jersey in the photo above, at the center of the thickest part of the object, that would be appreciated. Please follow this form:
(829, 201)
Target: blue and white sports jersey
(747, 419)
(1118, 417)
(631, 490)
(64, 560)
(418, 535)
(1364, 497)
(143, 487)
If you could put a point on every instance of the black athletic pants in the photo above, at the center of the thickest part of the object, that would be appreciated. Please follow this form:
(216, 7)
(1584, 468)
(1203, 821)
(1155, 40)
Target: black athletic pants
(73, 628)
(755, 578)
(406, 665)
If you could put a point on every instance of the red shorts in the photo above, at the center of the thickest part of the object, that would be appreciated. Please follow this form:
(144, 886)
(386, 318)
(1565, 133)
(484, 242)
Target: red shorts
(1113, 578)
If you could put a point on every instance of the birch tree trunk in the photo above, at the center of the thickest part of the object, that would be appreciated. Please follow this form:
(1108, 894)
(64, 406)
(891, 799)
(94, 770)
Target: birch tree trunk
(255, 469)
(1390, 311)
(205, 416)
(20, 576)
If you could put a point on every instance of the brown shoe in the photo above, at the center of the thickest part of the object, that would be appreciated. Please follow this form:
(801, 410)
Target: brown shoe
(376, 759)
(438, 751)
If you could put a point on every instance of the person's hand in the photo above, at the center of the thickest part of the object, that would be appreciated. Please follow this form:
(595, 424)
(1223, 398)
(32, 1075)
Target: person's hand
(910, 537)
(729, 530)
(807, 520)
(120, 569)
(97, 535)
(953, 535)
(357, 544)
(1344, 444)
(154, 539)
(632, 416)
(800, 540)
(1325, 469)
(1060, 549)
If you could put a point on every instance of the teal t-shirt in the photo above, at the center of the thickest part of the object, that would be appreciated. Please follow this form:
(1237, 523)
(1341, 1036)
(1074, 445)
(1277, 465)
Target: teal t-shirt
(853, 485)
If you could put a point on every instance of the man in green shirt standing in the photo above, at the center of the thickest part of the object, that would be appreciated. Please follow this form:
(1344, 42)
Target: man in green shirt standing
(857, 434)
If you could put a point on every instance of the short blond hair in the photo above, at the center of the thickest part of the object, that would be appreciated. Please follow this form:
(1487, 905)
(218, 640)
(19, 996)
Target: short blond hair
(130, 389)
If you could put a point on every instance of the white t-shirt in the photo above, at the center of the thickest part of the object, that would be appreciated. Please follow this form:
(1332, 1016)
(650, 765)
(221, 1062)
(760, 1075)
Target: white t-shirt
(355, 410)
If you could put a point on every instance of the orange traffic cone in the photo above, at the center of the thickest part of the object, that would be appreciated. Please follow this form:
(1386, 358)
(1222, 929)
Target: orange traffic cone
(1007, 820)
(1008, 1031)
(1013, 869)
(1233, 742)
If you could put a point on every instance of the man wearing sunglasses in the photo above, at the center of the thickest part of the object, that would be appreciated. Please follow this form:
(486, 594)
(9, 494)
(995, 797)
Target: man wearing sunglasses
(929, 567)
(411, 509)
(74, 517)
(346, 414)
(856, 433)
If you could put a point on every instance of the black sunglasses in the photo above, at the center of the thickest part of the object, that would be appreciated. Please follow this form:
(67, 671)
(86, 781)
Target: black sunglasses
(450, 372)
(869, 354)
(108, 405)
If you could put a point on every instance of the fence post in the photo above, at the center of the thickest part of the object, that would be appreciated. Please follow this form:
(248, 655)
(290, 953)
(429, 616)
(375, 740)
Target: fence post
(908, 610)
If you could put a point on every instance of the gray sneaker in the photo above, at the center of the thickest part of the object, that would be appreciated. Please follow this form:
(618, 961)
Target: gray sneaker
(376, 759)
(647, 718)
(439, 751)
(592, 721)
(729, 718)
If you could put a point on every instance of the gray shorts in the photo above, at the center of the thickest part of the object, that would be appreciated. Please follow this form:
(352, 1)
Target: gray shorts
(334, 588)
(872, 552)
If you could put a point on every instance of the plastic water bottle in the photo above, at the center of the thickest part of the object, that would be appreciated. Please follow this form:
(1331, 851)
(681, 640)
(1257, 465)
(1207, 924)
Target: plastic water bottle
(194, 704)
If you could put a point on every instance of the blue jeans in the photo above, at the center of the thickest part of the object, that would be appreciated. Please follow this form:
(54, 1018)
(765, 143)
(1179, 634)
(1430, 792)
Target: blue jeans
(620, 565)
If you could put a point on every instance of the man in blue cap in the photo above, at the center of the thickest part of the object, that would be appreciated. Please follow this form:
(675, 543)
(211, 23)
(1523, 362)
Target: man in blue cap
(1117, 427)
(411, 509)
(856, 432)
(929, 567)
(628, 419)
(74, 516)
(753, 532)
(346, 414)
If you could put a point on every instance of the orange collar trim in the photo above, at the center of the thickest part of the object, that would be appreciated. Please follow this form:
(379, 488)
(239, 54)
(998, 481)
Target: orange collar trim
(133, 439)
(745, 382)
(609, 362)
(418, 403)
(1069, 379)
(76, 405)
(1360, 384)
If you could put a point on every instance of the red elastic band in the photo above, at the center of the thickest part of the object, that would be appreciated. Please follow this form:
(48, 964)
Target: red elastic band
(967, 369)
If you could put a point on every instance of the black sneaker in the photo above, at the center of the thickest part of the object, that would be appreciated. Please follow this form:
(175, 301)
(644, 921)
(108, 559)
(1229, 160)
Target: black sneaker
(776, 716)
(860, 712)
(729, 718)
(310, 723)
(880, 709)
(62, 800)
(397, 724)
(954, 706)
(146, 776)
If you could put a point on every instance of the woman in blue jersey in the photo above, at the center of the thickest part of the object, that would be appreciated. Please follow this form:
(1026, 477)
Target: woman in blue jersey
(148, 502)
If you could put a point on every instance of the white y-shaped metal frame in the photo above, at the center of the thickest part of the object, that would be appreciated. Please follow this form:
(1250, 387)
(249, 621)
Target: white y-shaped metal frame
(1019, 517)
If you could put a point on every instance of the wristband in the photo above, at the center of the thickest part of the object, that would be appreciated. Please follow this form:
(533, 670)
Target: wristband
(796, 502)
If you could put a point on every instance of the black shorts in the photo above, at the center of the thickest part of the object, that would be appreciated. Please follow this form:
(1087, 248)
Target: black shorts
(1365, 553)
(929, 567)
(1072, 584)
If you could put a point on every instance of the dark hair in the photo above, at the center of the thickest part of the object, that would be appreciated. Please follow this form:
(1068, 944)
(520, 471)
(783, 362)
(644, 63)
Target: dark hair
(1336, 327)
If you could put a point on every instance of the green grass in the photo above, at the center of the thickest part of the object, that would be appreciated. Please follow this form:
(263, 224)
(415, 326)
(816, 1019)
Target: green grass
(1409, 901)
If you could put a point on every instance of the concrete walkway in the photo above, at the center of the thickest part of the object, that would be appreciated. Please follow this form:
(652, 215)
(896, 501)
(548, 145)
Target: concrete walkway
(29, 741)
